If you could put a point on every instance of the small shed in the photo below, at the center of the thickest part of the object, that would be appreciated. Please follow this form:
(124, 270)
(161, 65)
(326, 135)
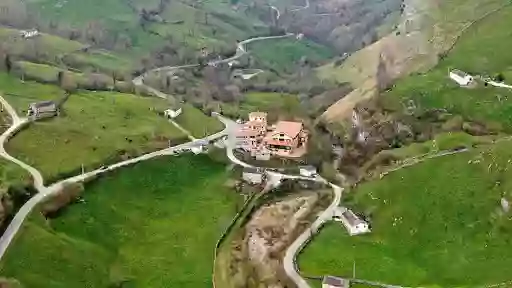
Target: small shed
(253, 175)
(42, 109)
(353, 224)
(308, 171)
(335, 282)
(462, 78)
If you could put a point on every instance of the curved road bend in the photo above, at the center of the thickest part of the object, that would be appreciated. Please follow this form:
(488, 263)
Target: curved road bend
(44, 192)
(326, 215)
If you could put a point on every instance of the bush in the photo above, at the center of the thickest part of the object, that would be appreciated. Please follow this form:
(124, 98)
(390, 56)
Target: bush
(69, 193)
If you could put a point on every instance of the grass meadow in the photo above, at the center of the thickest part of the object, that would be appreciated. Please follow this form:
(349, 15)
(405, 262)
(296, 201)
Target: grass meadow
(154, 224)
(436, 223)
(92, 128)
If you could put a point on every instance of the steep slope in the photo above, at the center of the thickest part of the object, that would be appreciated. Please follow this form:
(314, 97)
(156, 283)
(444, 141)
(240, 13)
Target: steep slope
(426, 33)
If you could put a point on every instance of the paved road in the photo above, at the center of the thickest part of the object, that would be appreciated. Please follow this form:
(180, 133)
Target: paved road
(278, 13)
(275, 178)
(289, 261)
(44, 192)
(301, 8)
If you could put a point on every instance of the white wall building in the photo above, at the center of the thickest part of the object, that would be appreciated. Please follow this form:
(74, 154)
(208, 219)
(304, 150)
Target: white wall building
(169, 113)
(462, 78)
(352, 223)
(308, 171)
(29, 33)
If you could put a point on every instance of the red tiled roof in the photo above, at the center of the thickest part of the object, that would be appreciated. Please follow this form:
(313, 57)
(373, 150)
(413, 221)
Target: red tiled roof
(291, 129)
(270, 141)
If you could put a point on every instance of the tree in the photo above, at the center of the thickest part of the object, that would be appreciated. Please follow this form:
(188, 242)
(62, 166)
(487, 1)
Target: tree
(500, 77)
(60, 78)
(8, 63)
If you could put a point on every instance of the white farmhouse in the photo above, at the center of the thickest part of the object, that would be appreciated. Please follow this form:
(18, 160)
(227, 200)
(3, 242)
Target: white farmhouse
(170, 113)
(462, 78)
(308, 171)
(352, 223)
(29, 33)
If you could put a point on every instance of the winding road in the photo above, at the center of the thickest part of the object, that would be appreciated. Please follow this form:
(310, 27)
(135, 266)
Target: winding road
(275, 179)
(45, 192)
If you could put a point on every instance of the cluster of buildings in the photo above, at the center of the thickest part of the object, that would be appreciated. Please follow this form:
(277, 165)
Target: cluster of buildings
(284, 139)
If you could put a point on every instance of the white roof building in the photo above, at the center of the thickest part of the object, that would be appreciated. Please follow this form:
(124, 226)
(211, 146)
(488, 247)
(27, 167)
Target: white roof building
(29, 33)
(462, 78)
(307, 171)
(170, 113)
(352, 223)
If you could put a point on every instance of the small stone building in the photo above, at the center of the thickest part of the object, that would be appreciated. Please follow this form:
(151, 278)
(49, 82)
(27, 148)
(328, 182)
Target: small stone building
(42, 109)
(335, 282)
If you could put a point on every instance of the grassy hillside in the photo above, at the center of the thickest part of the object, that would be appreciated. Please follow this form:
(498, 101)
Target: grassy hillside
(183, 21)
(436, 223)
(93, 128)
(480, 51)
(154, 224)
(197, 123)
(432, 29)
(276, 104)
(11, 174)
(20, 94)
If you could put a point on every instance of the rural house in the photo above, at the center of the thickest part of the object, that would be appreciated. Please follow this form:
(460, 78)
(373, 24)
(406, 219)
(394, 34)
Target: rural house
(285, 139)
(462, 78)
(307, 171)
(253, 175)
(335, 282)
(170, 113)
(29, 33)
(352, 223)
(288, 139)
(42, 109)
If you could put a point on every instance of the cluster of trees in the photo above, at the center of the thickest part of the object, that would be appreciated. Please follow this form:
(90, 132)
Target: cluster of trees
(69, 193)
(346, 26)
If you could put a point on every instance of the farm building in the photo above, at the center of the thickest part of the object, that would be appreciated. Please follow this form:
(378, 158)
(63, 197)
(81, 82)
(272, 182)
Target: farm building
(351, 221)
(42, 109)
(335, 282)
(462, 78)
(307, 171)
(29, 33)
(170, 113)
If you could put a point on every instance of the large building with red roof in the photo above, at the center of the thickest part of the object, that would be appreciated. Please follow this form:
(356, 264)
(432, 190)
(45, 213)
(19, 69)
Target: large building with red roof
(285, 138)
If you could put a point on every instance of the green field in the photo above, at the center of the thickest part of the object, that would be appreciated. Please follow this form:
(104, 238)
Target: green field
(184, 21)
(154, 224)
(94, 128)
(285, 54)
(11, 174)
(51, 45)
(436, 223)
(197, 123)
(482, 50)
(20, 94)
